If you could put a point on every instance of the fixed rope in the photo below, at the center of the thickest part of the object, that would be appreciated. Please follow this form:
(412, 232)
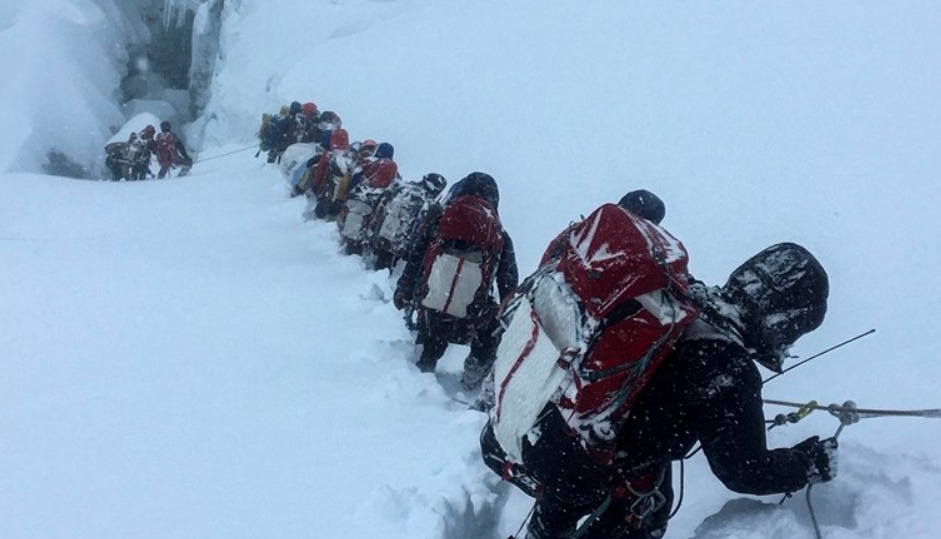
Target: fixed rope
(252, 147)
(848, 413)
(863, 413)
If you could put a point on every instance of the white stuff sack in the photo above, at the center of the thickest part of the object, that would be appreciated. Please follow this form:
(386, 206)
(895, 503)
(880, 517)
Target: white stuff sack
(527, 375)
(355, 217)
(392, 224)
(558, 311)
(452, 285)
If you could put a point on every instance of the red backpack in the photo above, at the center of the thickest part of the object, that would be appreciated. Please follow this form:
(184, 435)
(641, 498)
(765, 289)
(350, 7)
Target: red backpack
(459, 264)
(166, 150)
(380, 173)
(588, 330)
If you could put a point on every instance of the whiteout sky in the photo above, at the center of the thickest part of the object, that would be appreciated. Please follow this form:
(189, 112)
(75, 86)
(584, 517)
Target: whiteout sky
(188, 358)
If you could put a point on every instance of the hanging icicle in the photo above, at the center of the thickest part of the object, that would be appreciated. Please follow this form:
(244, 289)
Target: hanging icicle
(174, 12)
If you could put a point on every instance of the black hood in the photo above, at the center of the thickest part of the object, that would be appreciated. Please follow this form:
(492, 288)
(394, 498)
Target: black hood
(782, 294)
(478, 184)
(645, 204)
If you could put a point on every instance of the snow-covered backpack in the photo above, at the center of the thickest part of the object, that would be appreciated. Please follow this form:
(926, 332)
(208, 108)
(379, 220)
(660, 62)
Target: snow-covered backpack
(139, 152)
(296, 163)
(398, 214)
(117, 151)
(330, 177)
(459, 264)
(339, 176)
(358, 209)
(587, 331)
(165, 149)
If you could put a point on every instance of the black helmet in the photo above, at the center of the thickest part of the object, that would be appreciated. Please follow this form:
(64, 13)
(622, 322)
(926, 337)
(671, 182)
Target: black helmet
(782, 294)
(165, 126)
(434, 183)
(644, 204)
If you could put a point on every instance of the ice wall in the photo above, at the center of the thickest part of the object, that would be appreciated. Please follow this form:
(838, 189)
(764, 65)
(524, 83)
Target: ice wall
(82, 67)
(60, 89)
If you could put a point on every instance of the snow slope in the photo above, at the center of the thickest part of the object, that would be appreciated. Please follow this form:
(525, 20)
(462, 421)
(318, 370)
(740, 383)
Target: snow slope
(187, 358)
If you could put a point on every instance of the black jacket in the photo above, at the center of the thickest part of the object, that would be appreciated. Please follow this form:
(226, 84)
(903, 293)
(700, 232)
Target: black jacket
(709, 390)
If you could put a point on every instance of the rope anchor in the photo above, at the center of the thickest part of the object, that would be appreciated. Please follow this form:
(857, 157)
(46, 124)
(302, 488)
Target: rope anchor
(848, 414)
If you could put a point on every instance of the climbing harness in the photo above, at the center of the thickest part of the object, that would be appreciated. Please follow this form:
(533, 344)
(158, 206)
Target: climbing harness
(644, 504)
(647, 502)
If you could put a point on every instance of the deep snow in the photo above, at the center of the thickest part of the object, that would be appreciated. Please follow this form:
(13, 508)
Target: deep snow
(188, 358)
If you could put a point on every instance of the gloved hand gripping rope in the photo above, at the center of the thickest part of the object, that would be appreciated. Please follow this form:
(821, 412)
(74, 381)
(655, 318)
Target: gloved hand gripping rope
(848, 414)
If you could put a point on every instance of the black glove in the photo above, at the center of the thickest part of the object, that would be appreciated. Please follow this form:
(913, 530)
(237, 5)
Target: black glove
(399, 300)
(822, 456)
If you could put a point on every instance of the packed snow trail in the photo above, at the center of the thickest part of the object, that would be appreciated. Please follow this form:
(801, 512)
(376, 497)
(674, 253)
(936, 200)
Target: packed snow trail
(188, 358)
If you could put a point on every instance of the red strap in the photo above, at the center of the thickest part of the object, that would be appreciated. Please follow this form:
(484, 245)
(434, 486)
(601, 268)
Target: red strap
(460, 265)
(530, 344)
(507, 470)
